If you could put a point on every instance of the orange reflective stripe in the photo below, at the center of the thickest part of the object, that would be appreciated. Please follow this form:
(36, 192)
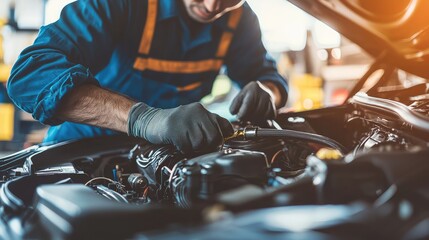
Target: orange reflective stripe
(189, 87)
(234, 18)
(226, 38)
(168, 66)
(149, 27)
(225, 41)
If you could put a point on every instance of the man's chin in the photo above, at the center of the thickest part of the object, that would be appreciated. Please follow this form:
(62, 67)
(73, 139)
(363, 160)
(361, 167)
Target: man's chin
(203, 19)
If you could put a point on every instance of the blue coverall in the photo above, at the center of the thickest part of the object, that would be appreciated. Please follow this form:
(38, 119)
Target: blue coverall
(98, 41)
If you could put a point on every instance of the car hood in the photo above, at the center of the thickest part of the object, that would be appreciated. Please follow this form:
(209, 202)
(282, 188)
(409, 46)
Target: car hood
(395, 32)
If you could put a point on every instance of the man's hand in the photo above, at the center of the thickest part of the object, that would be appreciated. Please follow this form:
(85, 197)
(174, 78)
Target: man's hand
(189, 128)
(255, 102)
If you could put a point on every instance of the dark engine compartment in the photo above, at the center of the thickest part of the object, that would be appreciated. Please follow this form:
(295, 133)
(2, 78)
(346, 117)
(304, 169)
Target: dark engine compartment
(358, 164)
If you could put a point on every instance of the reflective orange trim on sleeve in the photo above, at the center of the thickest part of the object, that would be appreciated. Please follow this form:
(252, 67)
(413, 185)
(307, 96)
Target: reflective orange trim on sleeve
(189, 87)
(149, 27)
(168, 66)
(226, 38)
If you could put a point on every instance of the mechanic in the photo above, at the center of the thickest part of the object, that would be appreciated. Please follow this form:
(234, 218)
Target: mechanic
(140, 66)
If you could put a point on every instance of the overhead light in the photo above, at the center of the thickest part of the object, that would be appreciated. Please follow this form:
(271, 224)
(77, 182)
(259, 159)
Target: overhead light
(322, 54)
(336, 53)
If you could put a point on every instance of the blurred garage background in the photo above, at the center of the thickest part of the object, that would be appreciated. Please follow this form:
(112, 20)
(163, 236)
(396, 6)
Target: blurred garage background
(320, 65)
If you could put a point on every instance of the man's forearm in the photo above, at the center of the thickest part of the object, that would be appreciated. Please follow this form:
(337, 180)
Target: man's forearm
(93, 105)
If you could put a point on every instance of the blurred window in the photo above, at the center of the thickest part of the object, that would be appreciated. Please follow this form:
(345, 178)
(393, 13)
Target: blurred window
(53, 10)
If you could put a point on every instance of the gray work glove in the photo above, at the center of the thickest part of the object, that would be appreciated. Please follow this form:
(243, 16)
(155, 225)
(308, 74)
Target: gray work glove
(189, 127)
(254, 103)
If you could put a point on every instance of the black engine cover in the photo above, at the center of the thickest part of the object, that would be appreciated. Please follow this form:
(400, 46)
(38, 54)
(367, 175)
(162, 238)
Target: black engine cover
(203, 177)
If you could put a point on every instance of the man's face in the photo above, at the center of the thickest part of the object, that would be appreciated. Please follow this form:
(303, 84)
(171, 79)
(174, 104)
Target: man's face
(206, 11)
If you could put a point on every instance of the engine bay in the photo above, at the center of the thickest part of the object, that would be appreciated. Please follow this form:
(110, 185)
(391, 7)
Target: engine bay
(354, 153)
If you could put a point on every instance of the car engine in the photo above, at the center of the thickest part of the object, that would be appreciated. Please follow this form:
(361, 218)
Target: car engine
(358, 152)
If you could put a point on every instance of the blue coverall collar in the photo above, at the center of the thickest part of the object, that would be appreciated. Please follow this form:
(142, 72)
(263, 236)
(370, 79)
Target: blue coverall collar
(168, 9)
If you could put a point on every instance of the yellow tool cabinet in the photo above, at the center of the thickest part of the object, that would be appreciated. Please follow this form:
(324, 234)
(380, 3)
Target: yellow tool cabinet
(7, 112)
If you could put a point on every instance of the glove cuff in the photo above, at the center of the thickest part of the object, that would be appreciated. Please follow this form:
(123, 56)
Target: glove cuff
(139, 119)
(135, 111)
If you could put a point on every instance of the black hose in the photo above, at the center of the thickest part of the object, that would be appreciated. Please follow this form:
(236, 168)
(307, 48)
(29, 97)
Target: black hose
(283, 133)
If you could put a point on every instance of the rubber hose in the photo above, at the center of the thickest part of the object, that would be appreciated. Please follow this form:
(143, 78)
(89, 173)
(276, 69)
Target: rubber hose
(284, 133)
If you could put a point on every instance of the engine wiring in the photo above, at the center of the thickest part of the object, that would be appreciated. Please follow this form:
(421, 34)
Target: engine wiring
(172, 187)
(146, 192)
(273, 159)
(99, 178)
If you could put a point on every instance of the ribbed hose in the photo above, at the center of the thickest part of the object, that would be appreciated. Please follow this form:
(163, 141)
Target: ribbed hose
(265, 132)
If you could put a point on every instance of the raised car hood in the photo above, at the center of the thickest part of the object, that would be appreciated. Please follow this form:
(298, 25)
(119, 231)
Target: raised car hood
(393, 31)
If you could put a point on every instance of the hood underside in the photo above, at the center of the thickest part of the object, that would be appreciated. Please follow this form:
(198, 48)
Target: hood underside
(396, 32)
